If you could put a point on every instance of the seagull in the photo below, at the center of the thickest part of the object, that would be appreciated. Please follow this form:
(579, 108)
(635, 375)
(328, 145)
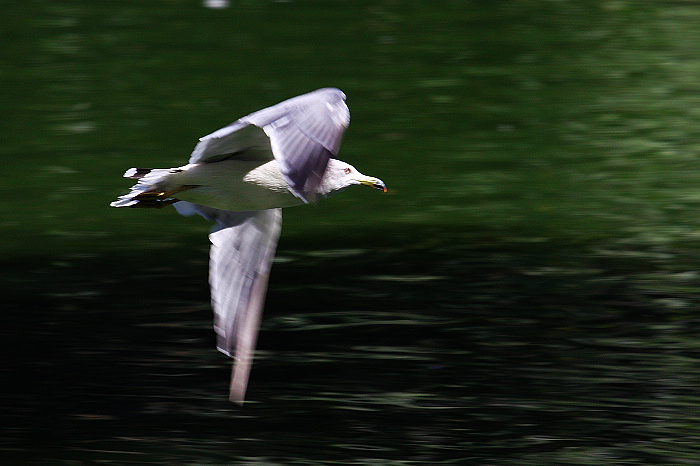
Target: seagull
(240, 177)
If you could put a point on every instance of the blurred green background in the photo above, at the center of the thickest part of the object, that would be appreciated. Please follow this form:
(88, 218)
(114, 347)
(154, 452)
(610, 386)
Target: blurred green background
(537, 248)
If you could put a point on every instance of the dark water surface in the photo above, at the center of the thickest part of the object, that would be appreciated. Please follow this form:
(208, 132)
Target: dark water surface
(526, 293)
(471, 356)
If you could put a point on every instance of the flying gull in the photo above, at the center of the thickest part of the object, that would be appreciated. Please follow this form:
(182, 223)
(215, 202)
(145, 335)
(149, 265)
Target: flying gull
(240, 177)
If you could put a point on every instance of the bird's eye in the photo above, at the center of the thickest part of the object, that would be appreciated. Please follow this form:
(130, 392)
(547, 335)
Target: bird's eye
(347, 171)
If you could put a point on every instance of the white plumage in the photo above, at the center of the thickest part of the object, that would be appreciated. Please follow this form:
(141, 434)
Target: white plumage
(240, 177)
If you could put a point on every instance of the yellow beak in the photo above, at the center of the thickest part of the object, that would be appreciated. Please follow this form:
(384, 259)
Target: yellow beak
(375, 183)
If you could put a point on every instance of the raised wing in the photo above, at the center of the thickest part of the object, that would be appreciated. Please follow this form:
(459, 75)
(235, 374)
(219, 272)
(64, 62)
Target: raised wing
(242, 248)
(237, 138)
(302, 133)
(321, 115)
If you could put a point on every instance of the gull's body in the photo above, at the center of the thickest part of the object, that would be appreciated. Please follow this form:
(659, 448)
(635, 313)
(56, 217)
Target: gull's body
(240, 177)
(238, 185)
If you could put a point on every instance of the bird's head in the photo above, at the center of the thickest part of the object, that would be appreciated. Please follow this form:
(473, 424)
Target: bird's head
(340, 175)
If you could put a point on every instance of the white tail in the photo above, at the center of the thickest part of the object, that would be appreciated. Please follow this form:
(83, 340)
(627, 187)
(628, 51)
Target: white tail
(147, 184)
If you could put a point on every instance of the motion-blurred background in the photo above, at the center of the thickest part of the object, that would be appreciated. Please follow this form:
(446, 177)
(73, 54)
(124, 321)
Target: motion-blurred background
(526, 293)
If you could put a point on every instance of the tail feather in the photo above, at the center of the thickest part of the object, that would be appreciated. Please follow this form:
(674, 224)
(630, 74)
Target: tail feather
(137, 173)
(146, 187)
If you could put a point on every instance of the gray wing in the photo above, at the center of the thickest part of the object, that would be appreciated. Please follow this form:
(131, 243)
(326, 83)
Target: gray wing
(238, 138)
(302, 134)
(242, 248)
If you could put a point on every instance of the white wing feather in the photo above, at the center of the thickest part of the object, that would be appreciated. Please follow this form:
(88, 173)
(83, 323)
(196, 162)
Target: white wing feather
(242, 248)
(301, 133)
